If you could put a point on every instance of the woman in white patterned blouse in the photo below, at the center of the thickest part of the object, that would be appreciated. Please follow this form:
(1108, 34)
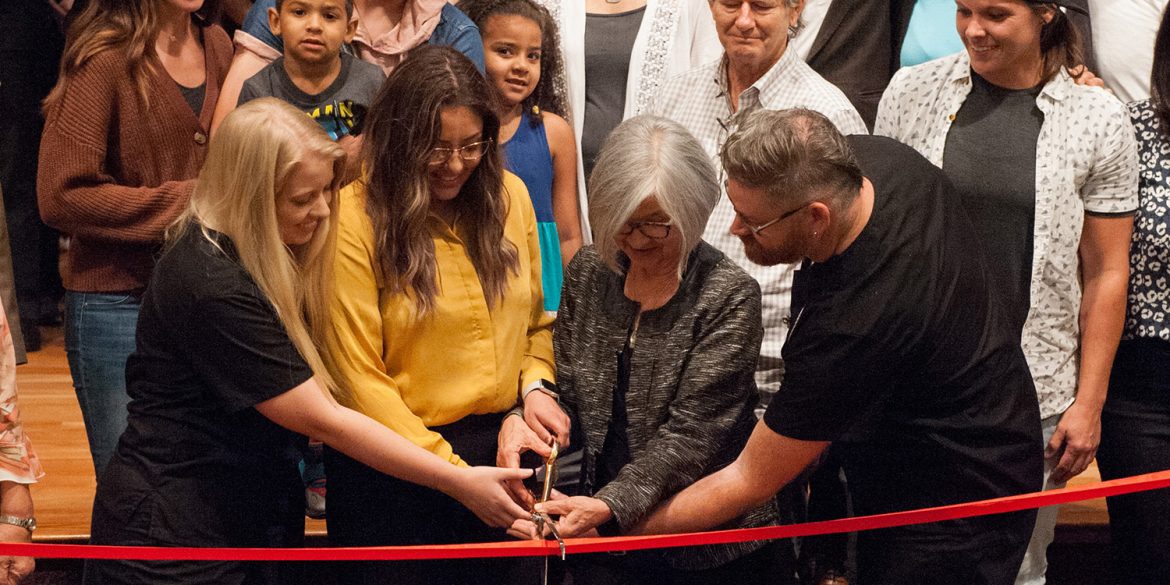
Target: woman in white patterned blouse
(1047, 171)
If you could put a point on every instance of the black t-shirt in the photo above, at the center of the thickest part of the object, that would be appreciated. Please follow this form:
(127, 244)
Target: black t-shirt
(198, 465)
(900, 355)
(990, 157)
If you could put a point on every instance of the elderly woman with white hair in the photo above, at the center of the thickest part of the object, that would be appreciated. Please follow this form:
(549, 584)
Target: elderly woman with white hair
(656, 346)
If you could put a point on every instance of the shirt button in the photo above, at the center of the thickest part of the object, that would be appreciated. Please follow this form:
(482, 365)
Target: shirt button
(950, 117)
(200, 138)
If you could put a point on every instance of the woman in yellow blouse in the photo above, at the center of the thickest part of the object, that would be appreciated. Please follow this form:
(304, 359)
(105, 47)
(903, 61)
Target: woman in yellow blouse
(439, 325)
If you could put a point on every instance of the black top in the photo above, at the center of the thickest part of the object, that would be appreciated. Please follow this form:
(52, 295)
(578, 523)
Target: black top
(609, 41)
(990, 157)
(900, 354)
(194, 96)
(198, 465)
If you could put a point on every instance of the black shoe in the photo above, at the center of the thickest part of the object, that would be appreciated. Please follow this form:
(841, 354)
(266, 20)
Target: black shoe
(32, 337)
(49, 313)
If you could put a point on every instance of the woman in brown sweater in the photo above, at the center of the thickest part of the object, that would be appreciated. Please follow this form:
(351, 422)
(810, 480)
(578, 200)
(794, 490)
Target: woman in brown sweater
(125, 135)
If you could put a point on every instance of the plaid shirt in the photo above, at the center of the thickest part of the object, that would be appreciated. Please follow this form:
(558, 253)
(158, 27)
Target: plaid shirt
(699, 101)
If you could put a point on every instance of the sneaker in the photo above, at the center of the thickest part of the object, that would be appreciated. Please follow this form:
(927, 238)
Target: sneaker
(315, 499)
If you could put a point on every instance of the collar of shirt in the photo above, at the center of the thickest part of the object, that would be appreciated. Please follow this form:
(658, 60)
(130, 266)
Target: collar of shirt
(1057, 88)
(419, 19)
(767, 91)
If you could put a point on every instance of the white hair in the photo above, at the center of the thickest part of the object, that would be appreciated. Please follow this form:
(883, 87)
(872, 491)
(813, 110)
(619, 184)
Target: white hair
(650, 156)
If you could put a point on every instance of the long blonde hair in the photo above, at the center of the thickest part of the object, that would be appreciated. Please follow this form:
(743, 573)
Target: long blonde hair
(249, 160)
(129, 26)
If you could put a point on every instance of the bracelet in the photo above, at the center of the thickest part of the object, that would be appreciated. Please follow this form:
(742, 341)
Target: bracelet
(29, 524)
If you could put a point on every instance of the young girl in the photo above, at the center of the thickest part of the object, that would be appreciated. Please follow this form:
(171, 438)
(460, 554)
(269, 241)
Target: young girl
(520, 43)
(227, 376)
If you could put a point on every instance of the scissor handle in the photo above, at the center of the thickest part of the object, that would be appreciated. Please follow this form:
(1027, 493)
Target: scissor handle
(549, 466)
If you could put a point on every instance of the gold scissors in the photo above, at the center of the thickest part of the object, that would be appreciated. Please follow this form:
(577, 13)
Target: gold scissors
(541, 519)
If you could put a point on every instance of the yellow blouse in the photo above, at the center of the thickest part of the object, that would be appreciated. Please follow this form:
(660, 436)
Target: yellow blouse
(463, 359)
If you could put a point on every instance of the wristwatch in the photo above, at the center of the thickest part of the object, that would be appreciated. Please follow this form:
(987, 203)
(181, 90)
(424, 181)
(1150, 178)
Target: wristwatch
(29, 524)
(547, 386)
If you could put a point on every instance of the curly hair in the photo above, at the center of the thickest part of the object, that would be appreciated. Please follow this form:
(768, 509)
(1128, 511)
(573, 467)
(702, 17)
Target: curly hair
(545, 97)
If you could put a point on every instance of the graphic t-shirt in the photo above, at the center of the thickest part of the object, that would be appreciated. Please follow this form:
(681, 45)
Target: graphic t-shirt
(339, 109)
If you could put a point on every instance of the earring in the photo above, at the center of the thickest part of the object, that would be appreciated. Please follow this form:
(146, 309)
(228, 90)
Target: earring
(792, 30)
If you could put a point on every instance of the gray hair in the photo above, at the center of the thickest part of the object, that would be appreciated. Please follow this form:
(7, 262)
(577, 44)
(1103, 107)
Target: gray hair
(794, 155)
(644, 157)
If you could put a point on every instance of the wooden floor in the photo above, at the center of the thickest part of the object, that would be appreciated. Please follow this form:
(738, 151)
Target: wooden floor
(64, 496)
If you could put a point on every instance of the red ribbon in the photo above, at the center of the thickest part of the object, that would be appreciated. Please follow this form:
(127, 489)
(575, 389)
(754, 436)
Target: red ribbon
(1115, 487)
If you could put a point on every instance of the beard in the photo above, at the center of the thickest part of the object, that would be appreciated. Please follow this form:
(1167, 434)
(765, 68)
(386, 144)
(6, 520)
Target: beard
(768, 256)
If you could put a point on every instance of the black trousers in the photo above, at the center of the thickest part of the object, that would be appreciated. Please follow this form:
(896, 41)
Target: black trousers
(986, 550)
(27, 73)
(765, 566)
(368, 508)
(1135, 439)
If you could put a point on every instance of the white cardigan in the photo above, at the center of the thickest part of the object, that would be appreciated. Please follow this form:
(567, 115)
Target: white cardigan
(675, 36)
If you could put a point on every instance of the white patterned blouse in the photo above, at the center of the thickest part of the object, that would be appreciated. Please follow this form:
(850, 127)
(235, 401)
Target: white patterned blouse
(1086, 162)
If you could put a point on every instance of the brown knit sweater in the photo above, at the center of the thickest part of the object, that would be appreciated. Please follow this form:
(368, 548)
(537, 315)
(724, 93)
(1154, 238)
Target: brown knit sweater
(114, 173)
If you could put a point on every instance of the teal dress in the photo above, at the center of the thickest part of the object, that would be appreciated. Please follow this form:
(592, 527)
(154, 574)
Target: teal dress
(528, 156)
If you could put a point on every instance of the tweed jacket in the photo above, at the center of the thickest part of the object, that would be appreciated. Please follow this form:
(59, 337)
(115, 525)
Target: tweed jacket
(691, 390)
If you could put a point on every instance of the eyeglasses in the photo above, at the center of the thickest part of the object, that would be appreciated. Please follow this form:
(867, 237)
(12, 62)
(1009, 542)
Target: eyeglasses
(655, 230)
(468, 152)
(757, 229)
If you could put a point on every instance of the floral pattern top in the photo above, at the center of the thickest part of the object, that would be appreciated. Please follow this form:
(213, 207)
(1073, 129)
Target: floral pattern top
(18, 461)
(1148, 313)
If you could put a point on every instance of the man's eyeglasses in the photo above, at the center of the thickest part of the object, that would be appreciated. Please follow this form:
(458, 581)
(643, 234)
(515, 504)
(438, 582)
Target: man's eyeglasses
(468, 152)
(655, 230)
(757, 229)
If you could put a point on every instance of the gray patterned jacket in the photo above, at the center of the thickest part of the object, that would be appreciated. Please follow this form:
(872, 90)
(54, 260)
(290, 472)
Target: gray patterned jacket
(691, 394)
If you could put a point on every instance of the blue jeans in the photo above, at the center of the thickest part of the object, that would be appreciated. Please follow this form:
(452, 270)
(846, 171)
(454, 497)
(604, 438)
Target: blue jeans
(99, 336)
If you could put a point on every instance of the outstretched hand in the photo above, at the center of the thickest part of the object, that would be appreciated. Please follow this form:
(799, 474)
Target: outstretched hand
(484, 491)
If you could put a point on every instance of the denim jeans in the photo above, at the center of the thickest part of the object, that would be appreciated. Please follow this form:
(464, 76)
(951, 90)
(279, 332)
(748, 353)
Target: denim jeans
(99, 336)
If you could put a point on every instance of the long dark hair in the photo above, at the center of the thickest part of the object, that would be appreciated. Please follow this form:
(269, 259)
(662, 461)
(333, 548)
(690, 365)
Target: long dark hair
(1160, 78)
(402, 127)
(1061, 46)
(544, 97)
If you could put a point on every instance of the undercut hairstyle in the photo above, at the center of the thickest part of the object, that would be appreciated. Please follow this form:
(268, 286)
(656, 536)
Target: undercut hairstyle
(1061, 46)
(651, 157)
(1160, 79)
(796, 156)
(347, 3)
(128, 26)
(249, 161)
(401, 128)
(545, 96)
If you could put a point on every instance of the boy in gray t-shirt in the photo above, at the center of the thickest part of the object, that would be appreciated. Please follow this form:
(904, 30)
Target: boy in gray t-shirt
(315, 75)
